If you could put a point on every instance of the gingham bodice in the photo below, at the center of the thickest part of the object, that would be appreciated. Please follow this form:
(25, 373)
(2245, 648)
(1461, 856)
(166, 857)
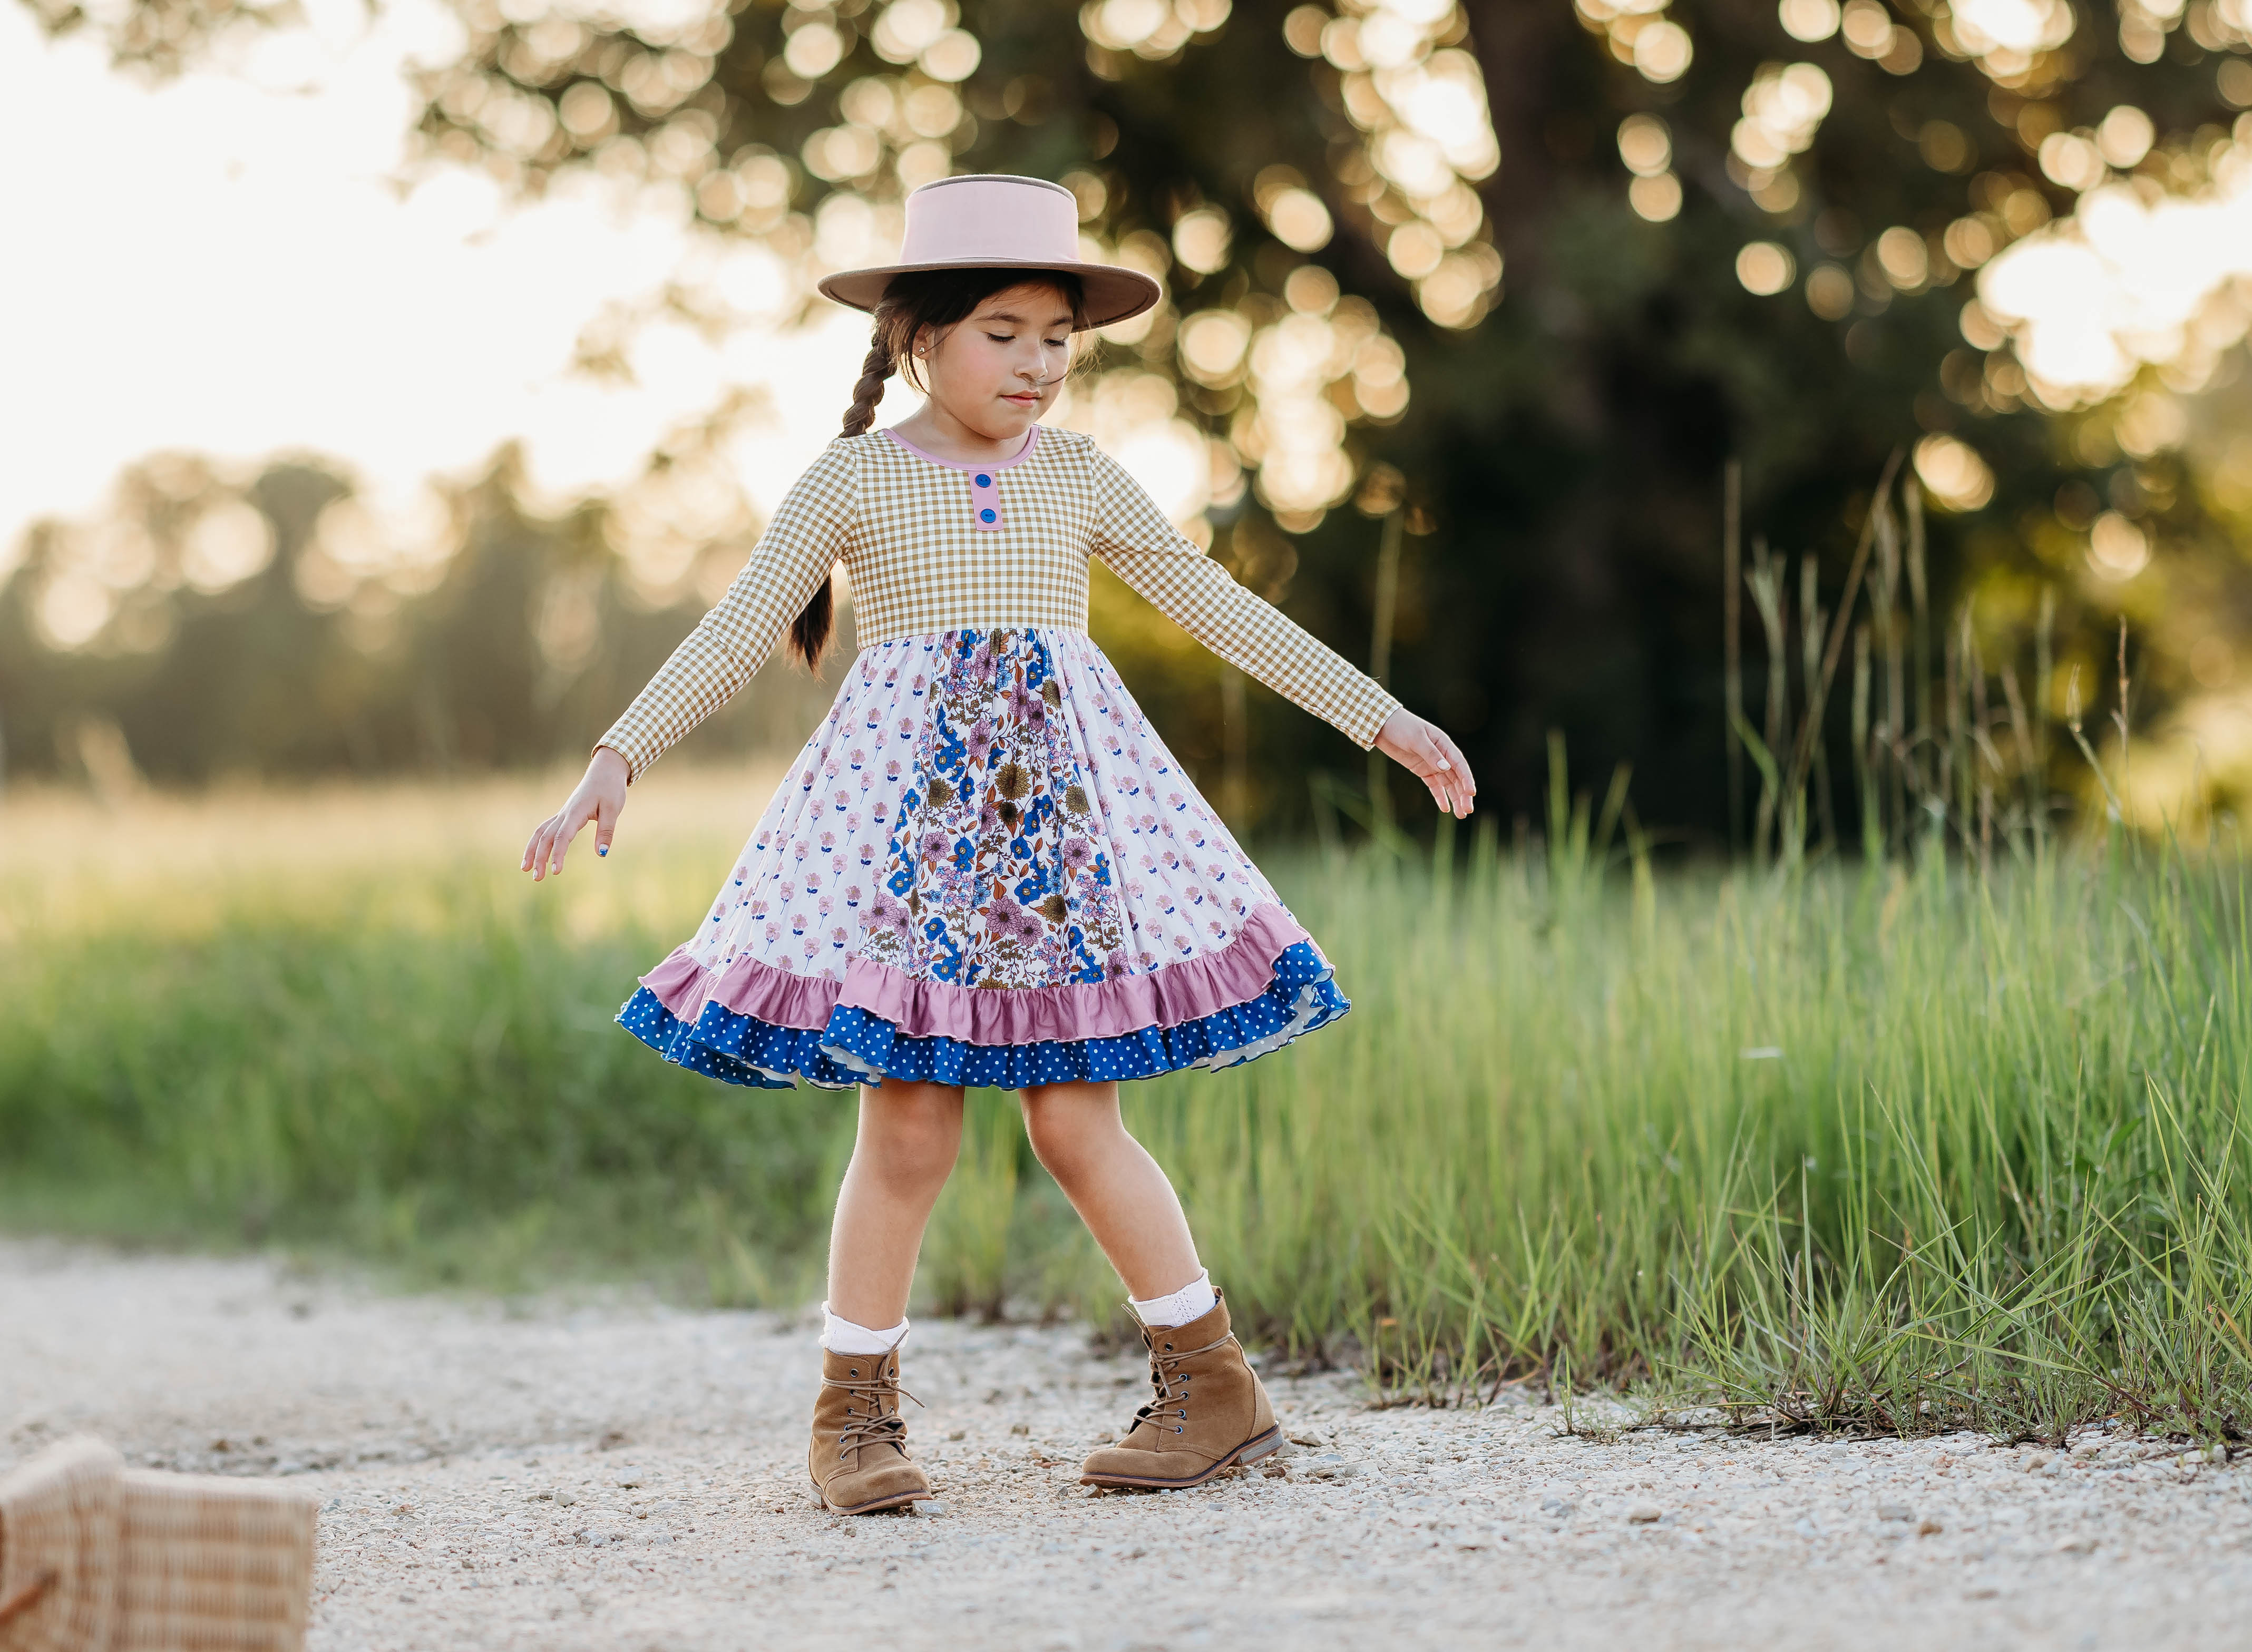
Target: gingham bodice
(931, 545)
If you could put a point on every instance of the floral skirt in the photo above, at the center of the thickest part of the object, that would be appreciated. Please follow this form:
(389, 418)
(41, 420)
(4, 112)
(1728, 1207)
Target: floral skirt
(984, 869)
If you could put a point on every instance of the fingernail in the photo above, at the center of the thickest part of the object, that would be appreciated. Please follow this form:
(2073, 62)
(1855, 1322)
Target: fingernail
(1444, 764)
(602, 849)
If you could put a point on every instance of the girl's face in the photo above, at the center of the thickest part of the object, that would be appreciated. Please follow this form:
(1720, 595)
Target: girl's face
(998, 369)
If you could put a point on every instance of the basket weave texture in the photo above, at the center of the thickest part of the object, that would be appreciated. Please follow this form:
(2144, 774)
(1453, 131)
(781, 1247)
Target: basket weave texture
(96, 1556)
(59, 1520)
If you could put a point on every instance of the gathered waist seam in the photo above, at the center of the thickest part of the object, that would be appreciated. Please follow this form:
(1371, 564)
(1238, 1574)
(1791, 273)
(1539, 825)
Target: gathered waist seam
(980, 626)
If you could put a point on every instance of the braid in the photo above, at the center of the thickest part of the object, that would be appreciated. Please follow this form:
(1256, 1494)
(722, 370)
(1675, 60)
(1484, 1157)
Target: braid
(869, 389)
(809, 633)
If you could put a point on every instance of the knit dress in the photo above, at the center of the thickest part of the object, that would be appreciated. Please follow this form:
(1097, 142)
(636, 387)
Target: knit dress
(984, 868)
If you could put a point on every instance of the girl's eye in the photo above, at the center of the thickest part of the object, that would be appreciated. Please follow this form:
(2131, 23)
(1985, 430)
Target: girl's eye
(1002, 338)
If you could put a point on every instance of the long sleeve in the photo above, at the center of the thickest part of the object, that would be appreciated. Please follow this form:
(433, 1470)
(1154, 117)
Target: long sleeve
(799, 547)
(1143, 548)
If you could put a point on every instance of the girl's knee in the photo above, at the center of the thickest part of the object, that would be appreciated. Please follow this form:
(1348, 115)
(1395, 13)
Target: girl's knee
(911, 1134)
(1069, 1124)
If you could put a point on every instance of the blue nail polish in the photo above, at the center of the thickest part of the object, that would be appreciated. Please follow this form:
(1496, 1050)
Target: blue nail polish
(603, 849)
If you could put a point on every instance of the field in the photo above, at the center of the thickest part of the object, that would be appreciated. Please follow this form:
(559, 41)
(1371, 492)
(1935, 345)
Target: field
(1896, 1149)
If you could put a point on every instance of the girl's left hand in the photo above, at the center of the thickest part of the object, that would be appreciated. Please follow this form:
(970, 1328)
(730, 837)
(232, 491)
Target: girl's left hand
(1424, 751)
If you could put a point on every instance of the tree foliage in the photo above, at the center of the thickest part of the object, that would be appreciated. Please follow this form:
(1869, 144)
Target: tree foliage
(518, 648)
(1568, 299)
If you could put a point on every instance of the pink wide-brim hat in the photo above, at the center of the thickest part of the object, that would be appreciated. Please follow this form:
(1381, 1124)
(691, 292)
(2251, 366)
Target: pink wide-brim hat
(996, 220)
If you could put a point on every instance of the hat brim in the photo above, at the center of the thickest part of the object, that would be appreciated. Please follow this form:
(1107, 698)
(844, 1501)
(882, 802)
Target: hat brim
(1112, 293)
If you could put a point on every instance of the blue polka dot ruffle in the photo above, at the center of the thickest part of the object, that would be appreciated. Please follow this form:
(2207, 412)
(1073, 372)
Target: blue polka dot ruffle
(858, 1048)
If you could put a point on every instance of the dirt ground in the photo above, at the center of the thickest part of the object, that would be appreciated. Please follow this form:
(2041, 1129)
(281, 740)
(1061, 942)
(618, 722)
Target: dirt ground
(618, 1474)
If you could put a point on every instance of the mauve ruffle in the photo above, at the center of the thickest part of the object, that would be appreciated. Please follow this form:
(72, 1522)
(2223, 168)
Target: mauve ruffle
(1169, 997)
(857, 1048)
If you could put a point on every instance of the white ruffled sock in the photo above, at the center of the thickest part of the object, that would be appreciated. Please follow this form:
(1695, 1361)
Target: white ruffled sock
(843, 1336)
(1192, 1302)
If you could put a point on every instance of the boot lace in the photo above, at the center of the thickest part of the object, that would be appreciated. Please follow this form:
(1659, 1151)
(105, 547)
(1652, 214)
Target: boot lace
(876, 1428)
(1168, 1412)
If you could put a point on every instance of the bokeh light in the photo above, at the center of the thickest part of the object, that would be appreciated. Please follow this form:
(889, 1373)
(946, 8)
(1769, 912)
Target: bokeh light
(1902, 256)
(1656, 198)
(1213, 343)
(1202, 240)
(2006, 36)
(1784, 107)
(1808, 20)
(1428, 137)
(1662, 52)
(1150, 29)
(1764, 268)
(2117, 548)
(1646, 145)
(2137, 277)
(1829, 292)
(1953, 475)
(1640, 33)
(1870, 33)
(1303, 371)
(2125, 135)
(1298, 218)
(227, 544)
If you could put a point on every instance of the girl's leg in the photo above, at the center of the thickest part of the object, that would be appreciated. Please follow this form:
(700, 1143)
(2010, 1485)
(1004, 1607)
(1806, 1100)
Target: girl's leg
(902, 1156)
(1209, 1412)
(857, 1456)
(1115, 1186)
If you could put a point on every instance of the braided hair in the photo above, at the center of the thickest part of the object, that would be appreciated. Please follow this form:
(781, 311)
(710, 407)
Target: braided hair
(915, 303)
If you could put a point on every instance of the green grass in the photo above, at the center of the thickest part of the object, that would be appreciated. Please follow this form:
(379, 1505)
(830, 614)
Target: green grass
(1901, 1149)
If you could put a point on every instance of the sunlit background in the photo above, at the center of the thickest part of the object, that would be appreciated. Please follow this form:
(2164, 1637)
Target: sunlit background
(1801, 451)
(388, 385)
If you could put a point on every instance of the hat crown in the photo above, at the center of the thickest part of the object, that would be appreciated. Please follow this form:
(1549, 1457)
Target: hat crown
(999, 220)
(994, 218)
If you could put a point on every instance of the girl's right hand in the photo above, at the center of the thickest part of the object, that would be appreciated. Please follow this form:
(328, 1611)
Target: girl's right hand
(600, 797)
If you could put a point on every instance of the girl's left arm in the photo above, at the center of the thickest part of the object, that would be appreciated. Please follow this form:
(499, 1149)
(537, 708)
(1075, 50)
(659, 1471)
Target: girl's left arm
(1143, 548)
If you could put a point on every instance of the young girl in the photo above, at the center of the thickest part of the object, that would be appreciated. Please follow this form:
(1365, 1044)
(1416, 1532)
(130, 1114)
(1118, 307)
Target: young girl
(986, 869)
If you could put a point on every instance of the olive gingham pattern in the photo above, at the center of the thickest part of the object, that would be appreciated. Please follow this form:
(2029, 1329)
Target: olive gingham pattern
(905, 526)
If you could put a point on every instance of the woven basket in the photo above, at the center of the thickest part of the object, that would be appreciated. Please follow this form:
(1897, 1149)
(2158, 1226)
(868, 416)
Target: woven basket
(134, 1561)
(60, 1516)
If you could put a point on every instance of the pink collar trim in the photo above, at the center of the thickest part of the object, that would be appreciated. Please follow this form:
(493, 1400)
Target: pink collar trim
(1031, 437)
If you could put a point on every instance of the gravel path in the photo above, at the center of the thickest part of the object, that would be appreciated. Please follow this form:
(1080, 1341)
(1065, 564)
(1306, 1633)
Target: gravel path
(622, 1475)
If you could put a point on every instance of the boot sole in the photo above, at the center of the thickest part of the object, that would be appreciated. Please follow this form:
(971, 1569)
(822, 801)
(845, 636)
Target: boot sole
(874, 1506)
(1247, 1453)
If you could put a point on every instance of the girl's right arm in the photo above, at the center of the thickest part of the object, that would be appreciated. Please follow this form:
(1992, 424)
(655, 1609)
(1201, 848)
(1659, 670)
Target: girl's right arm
(728, 645)
(796, 553)
(600, 796)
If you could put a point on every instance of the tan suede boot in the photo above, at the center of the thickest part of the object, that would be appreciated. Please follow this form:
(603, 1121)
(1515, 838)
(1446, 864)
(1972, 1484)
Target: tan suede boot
(858, 1458)
(1209, 1412)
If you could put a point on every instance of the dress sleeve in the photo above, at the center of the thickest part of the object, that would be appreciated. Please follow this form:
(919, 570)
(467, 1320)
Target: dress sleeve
(1134, 536)
(800, 546)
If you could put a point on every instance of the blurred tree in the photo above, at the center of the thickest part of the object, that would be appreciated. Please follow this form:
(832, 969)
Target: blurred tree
(1549, 266)
(198, 630)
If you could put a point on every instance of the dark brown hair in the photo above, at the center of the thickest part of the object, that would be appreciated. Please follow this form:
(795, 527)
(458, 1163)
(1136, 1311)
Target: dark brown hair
(920, 300)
